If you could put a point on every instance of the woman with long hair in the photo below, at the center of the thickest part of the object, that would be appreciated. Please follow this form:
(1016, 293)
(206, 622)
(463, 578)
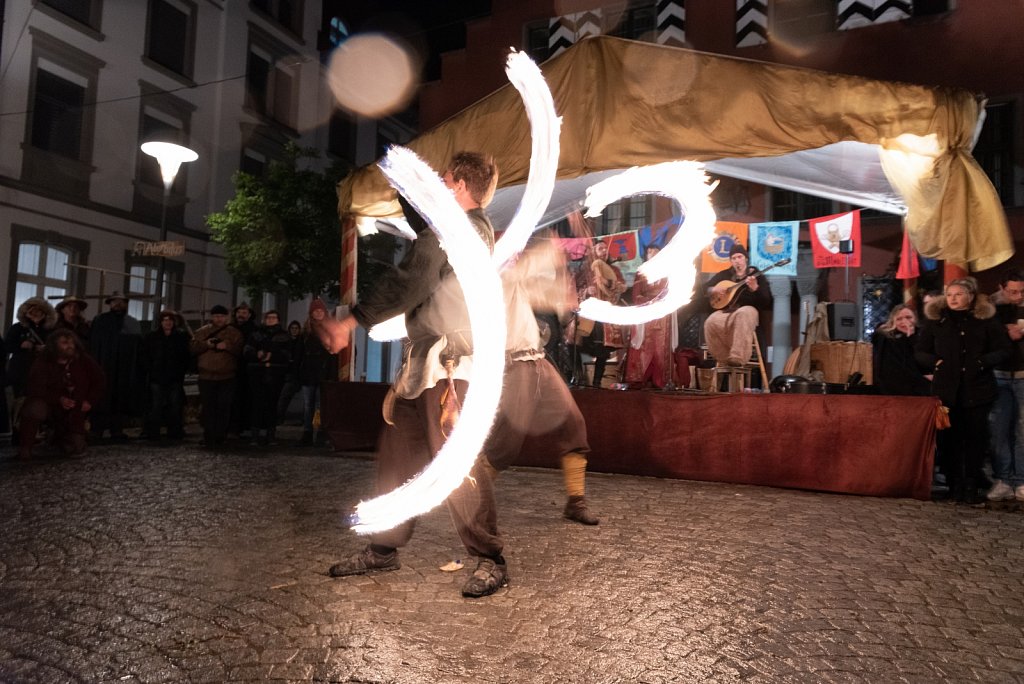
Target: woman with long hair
(895, 369)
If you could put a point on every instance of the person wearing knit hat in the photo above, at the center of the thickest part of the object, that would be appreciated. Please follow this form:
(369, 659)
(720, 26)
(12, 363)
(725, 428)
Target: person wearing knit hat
(740, 294)
(317, 365)
(216, 346)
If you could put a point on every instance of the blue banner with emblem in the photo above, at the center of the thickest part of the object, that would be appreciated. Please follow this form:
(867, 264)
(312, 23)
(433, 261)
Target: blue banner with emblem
(772, 242)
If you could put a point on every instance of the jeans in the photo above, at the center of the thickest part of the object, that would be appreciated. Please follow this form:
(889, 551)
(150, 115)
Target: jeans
(310, 403)
(1006, 424)
(165, 408)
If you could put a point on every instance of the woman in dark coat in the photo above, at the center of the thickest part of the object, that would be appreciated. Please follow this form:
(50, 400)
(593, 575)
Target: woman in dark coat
(895, 368)
(963, 342)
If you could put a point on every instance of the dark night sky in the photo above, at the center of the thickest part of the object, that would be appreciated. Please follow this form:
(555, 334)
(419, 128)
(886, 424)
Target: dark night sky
(429, 26)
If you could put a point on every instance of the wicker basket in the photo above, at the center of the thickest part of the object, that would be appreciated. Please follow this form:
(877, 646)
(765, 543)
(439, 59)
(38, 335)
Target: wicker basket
(837, 360)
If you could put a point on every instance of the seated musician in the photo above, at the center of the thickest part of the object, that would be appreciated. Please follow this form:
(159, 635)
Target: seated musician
(739, 294)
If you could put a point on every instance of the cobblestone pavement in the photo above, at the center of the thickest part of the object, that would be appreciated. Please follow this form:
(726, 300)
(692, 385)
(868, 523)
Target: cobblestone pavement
(147, 564)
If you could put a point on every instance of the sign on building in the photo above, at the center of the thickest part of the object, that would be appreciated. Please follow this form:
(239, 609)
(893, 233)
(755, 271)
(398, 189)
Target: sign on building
(168, 248)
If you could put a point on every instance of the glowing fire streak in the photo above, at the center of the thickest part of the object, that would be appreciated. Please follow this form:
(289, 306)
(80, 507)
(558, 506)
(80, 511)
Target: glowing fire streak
(545, 129)
(470, 259)
(686, 183)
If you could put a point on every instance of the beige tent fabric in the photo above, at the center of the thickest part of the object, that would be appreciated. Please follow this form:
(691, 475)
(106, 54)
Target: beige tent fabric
(625, 103)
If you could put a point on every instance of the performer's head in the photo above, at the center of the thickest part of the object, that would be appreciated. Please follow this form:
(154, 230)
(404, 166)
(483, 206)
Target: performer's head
(601, 250)
(63, 345)
(738, 259)
(472, 177)
(219, 315)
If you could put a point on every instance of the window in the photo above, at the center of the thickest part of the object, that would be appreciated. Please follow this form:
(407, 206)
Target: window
(86, 12)
(341, 136)
(794, 206)
(141, 286)
(59, 132)
(169, 35)
(270, 86)
(537, 41)
(626, 214)
(40, 265)
(287, 13)
(637, 23)
(57, 112)
(994, 149)
(253, 163)
(793, 19)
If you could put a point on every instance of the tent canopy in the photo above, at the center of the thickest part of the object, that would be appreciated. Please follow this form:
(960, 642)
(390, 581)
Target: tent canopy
(900, 148)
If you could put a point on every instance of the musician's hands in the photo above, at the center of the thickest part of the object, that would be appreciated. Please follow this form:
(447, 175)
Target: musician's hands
(67, 403)
(86, 406)
(335, 334)
(752, 283)
(27, 344)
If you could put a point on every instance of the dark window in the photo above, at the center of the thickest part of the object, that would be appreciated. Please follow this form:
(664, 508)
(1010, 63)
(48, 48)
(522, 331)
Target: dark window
(288, 13)
(252, 165)
(79, 10)
(257, 80)
(626, 214)
(926, 7)
(994, 150)
(794, 206)
(637, 23)
(57, 115)
(168, 36)
(341, 136)
(538, 41)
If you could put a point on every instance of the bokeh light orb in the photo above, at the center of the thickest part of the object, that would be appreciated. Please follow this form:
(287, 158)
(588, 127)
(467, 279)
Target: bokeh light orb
(371, 75)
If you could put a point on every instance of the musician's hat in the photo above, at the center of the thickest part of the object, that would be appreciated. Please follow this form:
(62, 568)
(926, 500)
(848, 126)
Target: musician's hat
(72, 299)
(737, 248)
(115, 295)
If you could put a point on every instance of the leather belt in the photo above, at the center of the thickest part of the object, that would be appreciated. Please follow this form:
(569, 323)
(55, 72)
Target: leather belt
(524, 354)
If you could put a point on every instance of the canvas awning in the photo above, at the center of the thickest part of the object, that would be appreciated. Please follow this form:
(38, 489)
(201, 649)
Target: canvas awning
(892, 146)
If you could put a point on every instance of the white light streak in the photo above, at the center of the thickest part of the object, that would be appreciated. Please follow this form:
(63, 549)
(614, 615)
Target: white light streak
(545, 129)
(470, 259)
(686, 183)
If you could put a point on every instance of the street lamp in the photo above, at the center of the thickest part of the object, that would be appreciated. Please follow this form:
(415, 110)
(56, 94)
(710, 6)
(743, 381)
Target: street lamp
(170, 158)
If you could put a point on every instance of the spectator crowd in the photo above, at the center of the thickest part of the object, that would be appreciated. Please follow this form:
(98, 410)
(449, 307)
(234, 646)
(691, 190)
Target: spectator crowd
(68, 381)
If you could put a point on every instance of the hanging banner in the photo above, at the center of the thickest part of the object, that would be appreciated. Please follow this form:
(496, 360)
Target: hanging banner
(773, 242)
(716, 256)
(658, 234)
(623, 253)
(835, 240)
(909, 268)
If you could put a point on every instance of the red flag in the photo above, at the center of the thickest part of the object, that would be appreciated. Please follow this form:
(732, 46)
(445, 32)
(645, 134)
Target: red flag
(835, 240)
(909, 267)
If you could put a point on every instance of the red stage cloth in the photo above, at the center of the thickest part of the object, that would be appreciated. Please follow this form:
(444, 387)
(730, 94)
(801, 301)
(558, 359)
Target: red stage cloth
(855, 444)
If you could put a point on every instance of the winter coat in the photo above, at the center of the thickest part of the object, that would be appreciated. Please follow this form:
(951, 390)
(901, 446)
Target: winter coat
(273, 339)
(166, 357)
(116, 343)
(895, 368)
(22, 331)
(318, 364)
(81, 379)
(1009, 314)
(969, 344)
(217, 364)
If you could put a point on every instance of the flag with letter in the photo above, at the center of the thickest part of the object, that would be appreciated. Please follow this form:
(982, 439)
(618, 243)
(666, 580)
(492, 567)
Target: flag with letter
(773, 242)
(716, 256)
(835, 240)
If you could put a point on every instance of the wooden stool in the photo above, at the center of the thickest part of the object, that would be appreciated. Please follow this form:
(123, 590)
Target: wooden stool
(739, 376)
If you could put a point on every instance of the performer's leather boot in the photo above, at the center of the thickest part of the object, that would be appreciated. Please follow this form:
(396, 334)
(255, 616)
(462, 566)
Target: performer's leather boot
(576, 509)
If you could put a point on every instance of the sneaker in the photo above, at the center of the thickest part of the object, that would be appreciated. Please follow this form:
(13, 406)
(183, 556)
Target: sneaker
(1000, 492)
(488, 577)
(365, 561)
(1018, 493)
(576, 509)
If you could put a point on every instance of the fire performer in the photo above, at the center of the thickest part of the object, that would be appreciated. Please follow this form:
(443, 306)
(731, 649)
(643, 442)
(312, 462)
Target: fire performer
(437, 359)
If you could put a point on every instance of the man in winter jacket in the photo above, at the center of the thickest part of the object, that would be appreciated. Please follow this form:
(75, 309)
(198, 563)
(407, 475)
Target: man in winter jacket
(166, 359)
(217, 346)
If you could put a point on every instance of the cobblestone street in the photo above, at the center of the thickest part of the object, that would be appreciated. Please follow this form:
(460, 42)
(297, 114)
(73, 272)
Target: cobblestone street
(142, 563)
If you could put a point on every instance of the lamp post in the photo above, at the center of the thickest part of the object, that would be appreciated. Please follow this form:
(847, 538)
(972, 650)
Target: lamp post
(170, 157)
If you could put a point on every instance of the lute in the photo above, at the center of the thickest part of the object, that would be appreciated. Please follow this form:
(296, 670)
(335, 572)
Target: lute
(725, 292)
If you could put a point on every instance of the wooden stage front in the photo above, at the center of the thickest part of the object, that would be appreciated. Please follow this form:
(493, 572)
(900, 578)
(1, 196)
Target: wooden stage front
(853, 444)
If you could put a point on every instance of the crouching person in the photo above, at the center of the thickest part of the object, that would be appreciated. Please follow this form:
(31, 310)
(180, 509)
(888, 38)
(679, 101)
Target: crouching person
(64, 383)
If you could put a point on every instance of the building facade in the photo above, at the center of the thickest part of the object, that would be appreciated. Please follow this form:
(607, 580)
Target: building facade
(83, 83)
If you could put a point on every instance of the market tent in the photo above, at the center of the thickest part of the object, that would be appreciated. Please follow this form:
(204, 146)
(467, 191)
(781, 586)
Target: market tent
(896, 147)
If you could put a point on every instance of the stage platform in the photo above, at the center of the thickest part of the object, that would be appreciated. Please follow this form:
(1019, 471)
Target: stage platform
(851, 444)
